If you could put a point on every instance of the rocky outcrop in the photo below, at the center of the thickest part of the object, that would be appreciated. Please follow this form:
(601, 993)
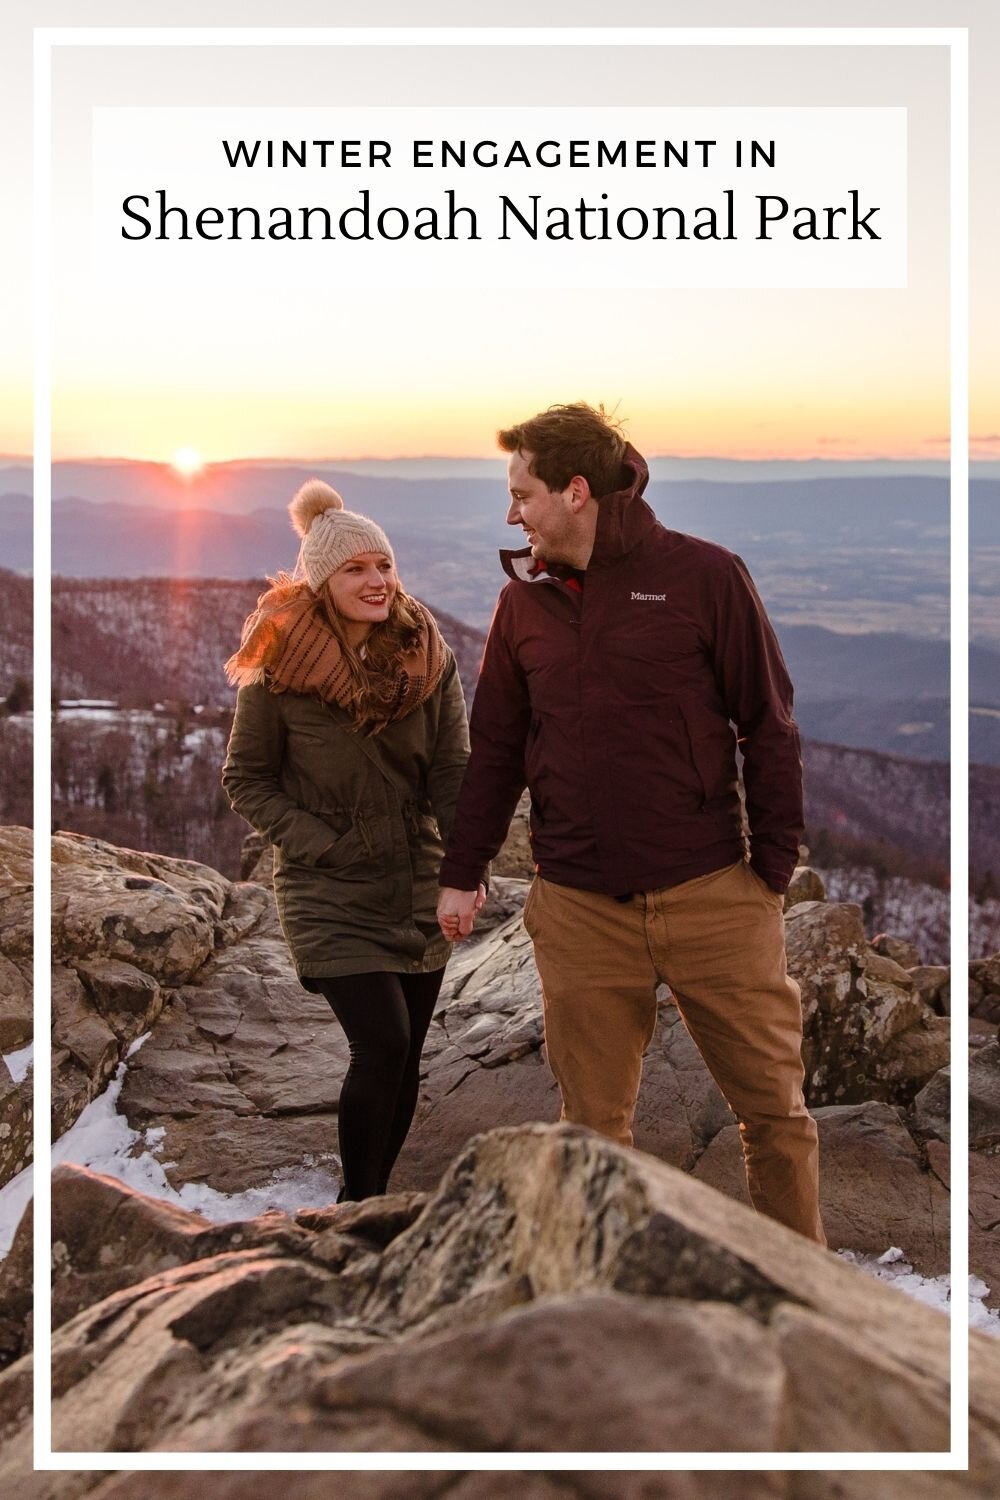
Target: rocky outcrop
(240, 1076)
(526, 1306)
(869, 1033)
(127, 929)
(149, 911)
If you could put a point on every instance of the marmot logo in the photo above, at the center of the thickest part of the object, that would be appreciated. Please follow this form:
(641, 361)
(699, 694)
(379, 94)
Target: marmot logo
(652, 598)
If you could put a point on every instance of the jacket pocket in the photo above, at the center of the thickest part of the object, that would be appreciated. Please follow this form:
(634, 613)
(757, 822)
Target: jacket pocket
(352, 837)
(345, 850)
(713, 750)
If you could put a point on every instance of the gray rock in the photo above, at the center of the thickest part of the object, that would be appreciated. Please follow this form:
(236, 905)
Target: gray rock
(15, 1004)
(986, 971)
(898, 949)
(148, 910)
(85, 1049)
(243, 1073)
(984, 1005)
(806, 884)
(505, 1385)
(242, 1070)
(128, 999)
(932, 983)
(909, 1058)
(932, 1106)
(984, 1097)
(984, 1226)
(107, 1237)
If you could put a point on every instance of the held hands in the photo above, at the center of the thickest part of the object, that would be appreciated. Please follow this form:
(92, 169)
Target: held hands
(457, 911)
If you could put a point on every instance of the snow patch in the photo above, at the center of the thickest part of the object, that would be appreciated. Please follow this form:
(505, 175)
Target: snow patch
(15, 1196)
(102, 1140)
(935, 1291)
(18, 1063)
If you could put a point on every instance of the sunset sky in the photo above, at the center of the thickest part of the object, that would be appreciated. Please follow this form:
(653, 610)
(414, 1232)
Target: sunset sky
(741, 373)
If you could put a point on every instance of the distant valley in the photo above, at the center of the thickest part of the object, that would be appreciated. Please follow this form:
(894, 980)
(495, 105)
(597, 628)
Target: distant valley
(851, 554)
(830, 545)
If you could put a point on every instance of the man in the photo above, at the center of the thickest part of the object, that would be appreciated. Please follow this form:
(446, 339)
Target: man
(618, 656)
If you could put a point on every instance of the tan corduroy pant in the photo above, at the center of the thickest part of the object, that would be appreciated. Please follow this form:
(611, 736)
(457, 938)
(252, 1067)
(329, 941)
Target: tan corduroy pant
(718, 941)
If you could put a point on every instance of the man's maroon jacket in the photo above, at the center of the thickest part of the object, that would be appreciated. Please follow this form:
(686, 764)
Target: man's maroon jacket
(615, 705)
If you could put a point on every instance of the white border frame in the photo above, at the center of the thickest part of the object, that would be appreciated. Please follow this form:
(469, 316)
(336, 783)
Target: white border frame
(956, 40)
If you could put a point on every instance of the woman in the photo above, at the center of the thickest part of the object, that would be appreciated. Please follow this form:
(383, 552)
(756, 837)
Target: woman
(347, 751)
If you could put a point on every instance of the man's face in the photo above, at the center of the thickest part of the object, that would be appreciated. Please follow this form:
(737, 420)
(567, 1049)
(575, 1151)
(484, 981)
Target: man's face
(544, 514)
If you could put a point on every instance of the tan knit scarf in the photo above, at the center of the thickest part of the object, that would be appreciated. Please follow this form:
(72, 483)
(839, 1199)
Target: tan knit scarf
(288, 644)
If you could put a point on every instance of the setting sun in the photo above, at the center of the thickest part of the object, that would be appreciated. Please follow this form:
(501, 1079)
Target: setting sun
(186, 461)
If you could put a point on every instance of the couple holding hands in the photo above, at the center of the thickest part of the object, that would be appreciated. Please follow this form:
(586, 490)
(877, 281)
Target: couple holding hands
(620, 656)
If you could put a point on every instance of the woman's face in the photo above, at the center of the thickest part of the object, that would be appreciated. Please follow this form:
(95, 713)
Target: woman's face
(362, 589)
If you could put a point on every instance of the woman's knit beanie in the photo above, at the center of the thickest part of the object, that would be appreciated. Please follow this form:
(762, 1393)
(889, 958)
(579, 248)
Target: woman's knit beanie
(330, 534)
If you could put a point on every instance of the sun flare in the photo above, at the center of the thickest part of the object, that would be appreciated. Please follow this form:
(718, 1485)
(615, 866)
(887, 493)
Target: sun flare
(186, 461)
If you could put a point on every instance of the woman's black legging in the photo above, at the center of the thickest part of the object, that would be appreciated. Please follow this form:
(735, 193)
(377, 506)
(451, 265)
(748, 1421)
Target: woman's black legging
(385, 1018)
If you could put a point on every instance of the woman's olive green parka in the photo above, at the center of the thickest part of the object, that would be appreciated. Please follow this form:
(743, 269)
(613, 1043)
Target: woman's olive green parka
(356, 822)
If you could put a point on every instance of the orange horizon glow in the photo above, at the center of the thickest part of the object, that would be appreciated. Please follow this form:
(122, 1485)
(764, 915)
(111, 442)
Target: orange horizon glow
(931, 450)
(825, 449)
(723, 437)
(778, 422)
(730, 420)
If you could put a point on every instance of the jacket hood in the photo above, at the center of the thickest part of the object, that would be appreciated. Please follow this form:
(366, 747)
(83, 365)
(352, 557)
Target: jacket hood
(623, 519)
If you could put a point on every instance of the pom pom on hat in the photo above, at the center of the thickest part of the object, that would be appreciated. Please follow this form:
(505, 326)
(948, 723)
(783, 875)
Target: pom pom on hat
(330, 534)
(311, 501)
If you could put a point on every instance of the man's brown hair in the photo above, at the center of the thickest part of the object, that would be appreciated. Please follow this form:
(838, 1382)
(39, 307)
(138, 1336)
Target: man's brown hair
(569, 440)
